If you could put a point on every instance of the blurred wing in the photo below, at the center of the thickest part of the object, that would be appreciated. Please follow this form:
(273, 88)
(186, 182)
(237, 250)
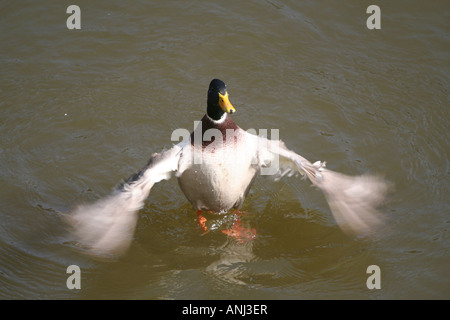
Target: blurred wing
(105, 228)
(352, 200)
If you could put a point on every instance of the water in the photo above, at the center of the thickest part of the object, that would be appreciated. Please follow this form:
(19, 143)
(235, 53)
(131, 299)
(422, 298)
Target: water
(82, 109)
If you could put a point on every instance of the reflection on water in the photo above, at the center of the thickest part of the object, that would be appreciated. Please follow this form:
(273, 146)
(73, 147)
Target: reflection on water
(82, 109)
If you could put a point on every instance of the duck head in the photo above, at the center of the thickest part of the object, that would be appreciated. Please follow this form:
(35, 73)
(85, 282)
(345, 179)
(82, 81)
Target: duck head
(218, 101)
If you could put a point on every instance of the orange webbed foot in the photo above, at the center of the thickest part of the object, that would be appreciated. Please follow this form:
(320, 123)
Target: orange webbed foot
(239, 232)
(202, 221)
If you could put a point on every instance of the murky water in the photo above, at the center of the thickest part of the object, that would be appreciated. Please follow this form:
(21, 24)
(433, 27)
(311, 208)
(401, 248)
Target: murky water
(82, 109)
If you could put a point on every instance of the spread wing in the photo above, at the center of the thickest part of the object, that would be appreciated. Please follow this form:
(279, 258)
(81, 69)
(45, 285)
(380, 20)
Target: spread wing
(105, 228)
(353, 200)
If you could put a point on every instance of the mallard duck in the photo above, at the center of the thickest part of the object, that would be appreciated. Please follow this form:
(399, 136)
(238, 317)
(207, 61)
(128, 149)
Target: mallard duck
(215, 165)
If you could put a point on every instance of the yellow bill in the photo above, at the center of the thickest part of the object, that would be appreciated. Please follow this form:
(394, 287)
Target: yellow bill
(225, 103)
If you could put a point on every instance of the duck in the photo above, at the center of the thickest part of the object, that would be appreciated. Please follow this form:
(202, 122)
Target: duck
(216, 165)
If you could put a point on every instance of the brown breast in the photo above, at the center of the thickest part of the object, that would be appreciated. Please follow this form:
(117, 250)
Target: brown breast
(208, 131)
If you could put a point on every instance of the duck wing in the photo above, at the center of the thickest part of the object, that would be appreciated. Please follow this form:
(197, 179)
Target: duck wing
(105, 228)
(353, 200)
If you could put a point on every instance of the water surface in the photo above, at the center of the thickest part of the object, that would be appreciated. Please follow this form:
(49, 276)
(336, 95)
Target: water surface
(80, 110)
